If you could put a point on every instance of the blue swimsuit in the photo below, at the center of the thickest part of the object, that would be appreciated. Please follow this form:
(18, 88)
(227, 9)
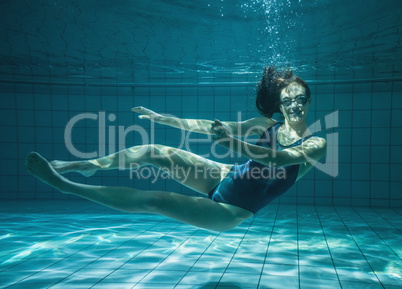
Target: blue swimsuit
(252, 185)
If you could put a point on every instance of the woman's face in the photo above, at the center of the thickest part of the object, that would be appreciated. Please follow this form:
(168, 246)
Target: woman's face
(294, 103)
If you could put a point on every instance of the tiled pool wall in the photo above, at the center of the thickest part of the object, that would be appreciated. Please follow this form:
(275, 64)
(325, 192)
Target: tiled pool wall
(366, 147)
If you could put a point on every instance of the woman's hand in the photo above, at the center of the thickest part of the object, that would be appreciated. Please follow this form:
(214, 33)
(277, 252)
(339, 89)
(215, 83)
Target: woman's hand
(148, 114)
(220, 130)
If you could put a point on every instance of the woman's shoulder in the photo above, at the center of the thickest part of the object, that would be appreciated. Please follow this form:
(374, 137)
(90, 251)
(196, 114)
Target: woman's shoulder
(263, 121)
(261, 124)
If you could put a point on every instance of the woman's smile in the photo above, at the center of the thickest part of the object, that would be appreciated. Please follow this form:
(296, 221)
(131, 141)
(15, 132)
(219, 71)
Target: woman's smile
(296, 113)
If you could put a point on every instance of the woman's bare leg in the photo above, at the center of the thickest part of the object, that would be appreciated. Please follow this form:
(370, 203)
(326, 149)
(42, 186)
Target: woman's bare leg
(191, 170)
(197, 211)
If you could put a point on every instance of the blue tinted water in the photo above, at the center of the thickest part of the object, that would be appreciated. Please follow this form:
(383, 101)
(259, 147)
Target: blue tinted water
(282, 247)
(200, 59)
(122, 40)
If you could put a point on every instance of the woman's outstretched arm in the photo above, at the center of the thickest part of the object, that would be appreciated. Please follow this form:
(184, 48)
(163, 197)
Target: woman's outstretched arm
(310, 150)
(248, 127)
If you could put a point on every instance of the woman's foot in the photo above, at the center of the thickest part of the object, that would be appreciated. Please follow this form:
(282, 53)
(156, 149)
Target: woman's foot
(40, 168)
(85, 168)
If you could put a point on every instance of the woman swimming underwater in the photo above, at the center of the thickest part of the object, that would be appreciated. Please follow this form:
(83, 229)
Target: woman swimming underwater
(236, 192)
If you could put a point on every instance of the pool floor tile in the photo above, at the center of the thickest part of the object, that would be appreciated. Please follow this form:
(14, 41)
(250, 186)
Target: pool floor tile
(45, 244)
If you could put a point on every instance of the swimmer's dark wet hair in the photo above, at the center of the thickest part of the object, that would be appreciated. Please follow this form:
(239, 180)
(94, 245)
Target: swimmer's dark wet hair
(270, 87)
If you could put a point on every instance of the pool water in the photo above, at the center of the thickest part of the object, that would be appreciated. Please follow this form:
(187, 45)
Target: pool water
(338, 227)
(77, 244)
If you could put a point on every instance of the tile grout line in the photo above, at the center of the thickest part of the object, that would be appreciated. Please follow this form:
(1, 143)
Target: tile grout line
(141, 252)
(396, 212)
(328, 247)
(386, 220)
(297, 240)
(378, 234)
(33, 257)
(231, 259)
(269, 242)
(197, 259)
(36, 272)
(361, 251)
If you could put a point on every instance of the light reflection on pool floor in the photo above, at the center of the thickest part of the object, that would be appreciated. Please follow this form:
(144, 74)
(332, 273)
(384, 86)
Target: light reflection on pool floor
(77, 244)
